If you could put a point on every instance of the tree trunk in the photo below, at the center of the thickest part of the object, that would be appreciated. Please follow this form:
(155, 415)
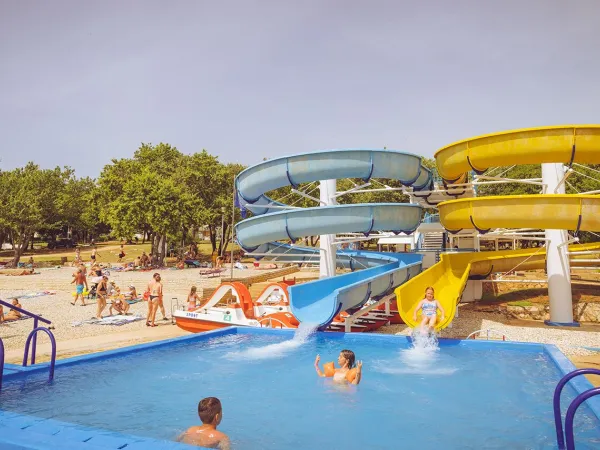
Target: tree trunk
(212, 231)
(225, 240)
(313, 241)
(31, 242)
(20, 246)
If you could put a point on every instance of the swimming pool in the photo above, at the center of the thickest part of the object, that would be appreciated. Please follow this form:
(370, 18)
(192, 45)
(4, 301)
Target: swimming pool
(469, 394)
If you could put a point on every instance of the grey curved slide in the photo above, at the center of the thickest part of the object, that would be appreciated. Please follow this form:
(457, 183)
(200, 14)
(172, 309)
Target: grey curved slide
(319, 301)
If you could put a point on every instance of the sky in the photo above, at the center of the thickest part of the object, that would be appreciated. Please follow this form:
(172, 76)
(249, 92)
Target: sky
(83, 82)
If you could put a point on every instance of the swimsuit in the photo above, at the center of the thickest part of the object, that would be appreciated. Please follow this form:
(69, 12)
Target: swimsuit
(429, 308)
(339, 377)
(80, 288)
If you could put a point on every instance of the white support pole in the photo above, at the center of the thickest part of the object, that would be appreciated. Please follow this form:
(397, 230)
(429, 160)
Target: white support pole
(559, 273)
(328, 250)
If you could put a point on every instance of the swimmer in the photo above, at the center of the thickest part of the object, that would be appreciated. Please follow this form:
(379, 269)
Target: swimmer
(206, 435)
(429, 307)
(346, 373)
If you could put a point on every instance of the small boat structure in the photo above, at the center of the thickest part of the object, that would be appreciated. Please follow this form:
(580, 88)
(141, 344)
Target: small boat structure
(232, 305)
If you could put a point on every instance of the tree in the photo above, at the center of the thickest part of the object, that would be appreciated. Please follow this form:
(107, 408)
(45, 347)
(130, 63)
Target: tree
(29, 201)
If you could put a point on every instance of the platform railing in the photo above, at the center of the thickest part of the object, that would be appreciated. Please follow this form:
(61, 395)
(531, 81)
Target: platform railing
(560, 435)
(52, 343)
(1, 362)
(36, 320)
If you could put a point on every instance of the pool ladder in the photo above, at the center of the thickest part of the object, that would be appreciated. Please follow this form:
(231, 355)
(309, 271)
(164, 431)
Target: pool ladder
(568, 431)
(32, 336)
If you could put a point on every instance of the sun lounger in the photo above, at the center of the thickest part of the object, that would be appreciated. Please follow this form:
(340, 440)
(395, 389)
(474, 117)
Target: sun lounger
(211, 273)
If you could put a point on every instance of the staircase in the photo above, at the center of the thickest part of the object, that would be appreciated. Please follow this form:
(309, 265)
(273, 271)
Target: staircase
(433, 241)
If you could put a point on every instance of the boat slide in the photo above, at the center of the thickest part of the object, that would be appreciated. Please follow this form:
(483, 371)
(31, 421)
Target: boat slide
(320, 301)
(561, 144)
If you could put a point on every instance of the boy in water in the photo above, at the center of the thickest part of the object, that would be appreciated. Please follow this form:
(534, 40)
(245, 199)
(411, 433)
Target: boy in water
(206, 435)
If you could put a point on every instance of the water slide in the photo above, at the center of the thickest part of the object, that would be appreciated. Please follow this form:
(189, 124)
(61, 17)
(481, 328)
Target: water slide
(560, 144)
(320, 301)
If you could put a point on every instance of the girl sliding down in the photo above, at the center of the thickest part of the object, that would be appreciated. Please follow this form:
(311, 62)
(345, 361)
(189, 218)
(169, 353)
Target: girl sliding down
(346, 373)
(429, 307)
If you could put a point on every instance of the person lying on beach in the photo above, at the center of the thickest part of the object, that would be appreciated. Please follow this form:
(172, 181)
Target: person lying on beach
(346, 373)
(13, 314)
(206, 435)
(429, 307)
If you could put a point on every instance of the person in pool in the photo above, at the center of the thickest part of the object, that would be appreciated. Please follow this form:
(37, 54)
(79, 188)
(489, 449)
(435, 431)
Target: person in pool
(206, 435)
(429, 306)
(346, 373)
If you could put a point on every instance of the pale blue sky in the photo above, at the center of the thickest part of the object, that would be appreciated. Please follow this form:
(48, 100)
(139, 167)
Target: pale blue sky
(82, 82)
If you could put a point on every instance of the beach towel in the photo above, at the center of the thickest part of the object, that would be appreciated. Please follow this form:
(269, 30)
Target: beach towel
(32, 294)
(117, 320)
(134, 300)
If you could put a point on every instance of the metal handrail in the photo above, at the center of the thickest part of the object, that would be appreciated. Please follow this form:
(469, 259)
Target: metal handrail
(571, 414)
(1, 362)
(36, 318)
(260, 321)
(53, 344)
(487, 330)
(560, 437)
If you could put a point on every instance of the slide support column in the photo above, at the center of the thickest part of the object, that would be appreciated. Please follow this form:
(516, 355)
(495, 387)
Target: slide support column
(557, 259)
(328, 252)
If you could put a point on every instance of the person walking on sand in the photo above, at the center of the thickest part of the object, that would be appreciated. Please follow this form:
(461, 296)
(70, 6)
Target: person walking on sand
(155, 289)
(95, 254)
(80, 281)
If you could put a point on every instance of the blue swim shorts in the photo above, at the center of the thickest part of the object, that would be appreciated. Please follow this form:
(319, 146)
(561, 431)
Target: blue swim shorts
(80, 288)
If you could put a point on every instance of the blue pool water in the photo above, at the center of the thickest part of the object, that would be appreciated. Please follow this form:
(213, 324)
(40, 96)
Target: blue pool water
(460, 397)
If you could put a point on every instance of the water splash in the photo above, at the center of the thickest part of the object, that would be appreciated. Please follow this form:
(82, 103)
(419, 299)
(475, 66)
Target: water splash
(422, 358)
(301, 335)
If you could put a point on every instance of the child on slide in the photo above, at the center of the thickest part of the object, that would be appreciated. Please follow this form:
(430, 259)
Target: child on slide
(346, 373)
(429, 307)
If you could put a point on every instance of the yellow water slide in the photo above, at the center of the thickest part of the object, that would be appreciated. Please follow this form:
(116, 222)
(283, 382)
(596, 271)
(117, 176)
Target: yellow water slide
(560, 144)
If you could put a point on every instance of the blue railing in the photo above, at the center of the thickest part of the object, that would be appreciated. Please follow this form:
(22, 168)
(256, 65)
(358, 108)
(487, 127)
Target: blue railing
(1, 362)
(36, 320)
(52, 342)
(568, 431)
(431, 218)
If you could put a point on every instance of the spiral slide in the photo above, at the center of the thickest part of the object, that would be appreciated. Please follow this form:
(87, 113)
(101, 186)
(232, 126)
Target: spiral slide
(319, 301)
(560, 144)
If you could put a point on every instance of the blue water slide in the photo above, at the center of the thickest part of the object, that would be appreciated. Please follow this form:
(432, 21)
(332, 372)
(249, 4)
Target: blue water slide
(321, 300)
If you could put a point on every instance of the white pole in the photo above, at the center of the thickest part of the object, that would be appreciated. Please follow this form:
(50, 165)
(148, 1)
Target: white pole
(557, 259)
(328, 255)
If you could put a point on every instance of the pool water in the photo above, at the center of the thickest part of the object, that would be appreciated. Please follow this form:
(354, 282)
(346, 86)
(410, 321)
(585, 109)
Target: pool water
(458, 397)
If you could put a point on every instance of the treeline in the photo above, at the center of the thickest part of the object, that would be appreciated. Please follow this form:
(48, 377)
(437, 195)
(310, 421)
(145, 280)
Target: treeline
(160, 192)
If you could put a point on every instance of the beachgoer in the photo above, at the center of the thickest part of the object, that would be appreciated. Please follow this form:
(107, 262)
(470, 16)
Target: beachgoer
(206, 435)
(31, 263)
(95, 254)
(132, 293)
(156, 292)
(346, 373)
(13, 314)
(101, 292)
(193, 299)
(1, 314)
(119, 304)
(429, 306)
(80, 281)
(121, 253)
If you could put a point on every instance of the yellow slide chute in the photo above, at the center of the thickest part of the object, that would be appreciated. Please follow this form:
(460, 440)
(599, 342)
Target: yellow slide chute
(560, 144)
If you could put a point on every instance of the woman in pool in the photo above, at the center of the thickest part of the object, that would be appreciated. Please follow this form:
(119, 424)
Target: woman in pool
(346, 373)
(429, 307)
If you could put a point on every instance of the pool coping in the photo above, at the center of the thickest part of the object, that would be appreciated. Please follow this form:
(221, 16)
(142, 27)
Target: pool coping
(104, 439)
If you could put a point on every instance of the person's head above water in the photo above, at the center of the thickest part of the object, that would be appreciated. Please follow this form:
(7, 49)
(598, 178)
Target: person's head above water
(210, 411)
(429, 293)
(346, 358)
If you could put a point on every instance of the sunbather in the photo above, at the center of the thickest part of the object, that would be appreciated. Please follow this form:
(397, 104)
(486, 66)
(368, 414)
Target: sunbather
(193, 299)
(13, 314)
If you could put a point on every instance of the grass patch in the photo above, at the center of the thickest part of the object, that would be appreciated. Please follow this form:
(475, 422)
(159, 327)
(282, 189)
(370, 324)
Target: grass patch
(520, 303)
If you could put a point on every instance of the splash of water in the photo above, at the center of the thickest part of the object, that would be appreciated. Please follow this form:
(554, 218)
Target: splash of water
(422, 358)
(301, 335)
